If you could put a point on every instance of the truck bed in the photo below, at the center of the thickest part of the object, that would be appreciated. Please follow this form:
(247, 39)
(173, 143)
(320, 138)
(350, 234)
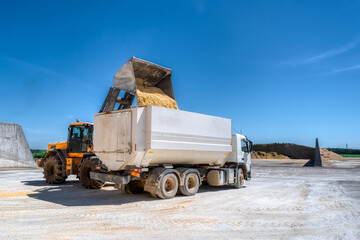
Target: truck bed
(152, 135)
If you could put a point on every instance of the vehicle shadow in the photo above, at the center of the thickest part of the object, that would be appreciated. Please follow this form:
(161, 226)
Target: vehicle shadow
(206, 188)
(71, 193)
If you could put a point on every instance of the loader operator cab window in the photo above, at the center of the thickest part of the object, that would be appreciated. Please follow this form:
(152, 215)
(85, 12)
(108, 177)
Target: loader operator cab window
(80, 138)
(86, 134)
(76, 132)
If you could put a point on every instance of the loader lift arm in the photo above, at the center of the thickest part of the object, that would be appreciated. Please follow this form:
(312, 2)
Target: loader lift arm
(112, 98)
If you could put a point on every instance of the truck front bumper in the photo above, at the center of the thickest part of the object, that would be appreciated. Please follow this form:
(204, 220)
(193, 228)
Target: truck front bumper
(120, 179)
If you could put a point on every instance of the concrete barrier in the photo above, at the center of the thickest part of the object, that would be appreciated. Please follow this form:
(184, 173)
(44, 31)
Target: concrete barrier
(14, 149)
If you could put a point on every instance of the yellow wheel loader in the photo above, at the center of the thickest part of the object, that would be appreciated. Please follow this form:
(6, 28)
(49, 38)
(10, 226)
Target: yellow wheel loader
(65, 158)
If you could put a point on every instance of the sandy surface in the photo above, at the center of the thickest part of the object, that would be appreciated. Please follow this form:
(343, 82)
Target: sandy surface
(280, 202)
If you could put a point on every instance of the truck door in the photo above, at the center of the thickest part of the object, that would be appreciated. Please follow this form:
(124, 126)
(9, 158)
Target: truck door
(245, 152)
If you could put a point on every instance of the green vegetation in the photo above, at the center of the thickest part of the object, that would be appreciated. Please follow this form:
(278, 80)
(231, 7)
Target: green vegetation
(350, 155)
(345, 151)
(38, 153)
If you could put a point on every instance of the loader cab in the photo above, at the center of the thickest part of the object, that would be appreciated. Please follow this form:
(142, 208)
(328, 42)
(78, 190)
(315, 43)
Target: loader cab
(80, 137)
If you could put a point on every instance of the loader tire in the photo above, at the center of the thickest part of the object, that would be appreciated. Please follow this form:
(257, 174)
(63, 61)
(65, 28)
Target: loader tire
(168, 186)
(86, 166)
(239, 182)
(191, 184)
(53, 170)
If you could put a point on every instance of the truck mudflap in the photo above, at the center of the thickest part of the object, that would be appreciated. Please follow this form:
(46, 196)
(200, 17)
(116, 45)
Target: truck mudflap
(119, 179)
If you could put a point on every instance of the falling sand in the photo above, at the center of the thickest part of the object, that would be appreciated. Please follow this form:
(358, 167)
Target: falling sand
(153, 96)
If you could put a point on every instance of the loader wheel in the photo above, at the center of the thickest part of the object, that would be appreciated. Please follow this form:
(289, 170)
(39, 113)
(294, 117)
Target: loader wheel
(53, 170)
(239, 182)
(86, 166)
(168, 186)
(191, 184)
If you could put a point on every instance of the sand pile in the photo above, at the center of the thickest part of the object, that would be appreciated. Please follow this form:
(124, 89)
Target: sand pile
(153, 96)
(267, 155)
(325, 155)
(329, 155)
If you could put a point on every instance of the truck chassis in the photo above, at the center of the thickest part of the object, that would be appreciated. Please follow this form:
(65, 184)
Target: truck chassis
(166, 181)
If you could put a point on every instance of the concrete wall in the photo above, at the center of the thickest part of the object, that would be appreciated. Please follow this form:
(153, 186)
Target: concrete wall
(14, 149)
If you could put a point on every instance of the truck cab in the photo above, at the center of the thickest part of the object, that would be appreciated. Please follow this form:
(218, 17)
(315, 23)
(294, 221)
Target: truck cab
(241, 153)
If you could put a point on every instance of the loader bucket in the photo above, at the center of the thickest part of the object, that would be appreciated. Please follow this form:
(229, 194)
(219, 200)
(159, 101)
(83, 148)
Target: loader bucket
(139, 72)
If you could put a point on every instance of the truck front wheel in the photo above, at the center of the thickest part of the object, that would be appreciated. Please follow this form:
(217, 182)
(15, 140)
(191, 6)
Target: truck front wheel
(239, 182)
(86, 166)
(191, 184)
(168, 186)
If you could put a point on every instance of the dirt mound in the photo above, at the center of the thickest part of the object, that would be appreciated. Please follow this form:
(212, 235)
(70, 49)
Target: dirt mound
(294, 151)
(329, 155)
(153, 96)
(267, 155)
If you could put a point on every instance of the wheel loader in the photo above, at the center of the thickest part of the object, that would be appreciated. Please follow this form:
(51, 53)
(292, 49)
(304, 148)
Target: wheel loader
(64, 158)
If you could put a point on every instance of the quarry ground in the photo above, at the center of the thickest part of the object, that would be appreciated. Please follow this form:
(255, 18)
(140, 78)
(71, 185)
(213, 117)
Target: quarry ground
(282, 201)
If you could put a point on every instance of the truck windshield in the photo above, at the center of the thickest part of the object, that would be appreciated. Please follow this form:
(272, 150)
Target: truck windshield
(244, 146)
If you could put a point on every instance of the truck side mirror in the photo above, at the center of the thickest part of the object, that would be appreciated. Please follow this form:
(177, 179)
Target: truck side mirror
(251, 146)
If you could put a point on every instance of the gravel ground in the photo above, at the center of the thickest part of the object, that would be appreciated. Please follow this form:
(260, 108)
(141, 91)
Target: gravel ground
(280, 202)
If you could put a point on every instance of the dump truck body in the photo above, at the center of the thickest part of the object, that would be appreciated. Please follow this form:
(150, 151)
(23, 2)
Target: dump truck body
(152, 135)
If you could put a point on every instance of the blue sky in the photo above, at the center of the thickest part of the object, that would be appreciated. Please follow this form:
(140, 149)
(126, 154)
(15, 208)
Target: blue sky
(284, 71)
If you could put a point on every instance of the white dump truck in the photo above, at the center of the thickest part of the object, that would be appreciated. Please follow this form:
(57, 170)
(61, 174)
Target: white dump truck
(160, 150)
(164, 151)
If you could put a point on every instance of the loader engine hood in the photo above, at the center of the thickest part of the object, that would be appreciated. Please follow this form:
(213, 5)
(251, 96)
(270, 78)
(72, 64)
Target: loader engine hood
(139, 72)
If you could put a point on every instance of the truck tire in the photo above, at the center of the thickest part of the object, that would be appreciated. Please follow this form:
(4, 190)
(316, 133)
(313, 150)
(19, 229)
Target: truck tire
(168, 186)
(86, 166)
(191, 184)
(239, 183)
(53, 170)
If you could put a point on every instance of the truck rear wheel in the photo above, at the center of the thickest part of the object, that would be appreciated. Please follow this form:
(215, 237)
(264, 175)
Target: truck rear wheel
(86, 166)
(168, 186)
(53, 170)
(239, 182)
(191, 184)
